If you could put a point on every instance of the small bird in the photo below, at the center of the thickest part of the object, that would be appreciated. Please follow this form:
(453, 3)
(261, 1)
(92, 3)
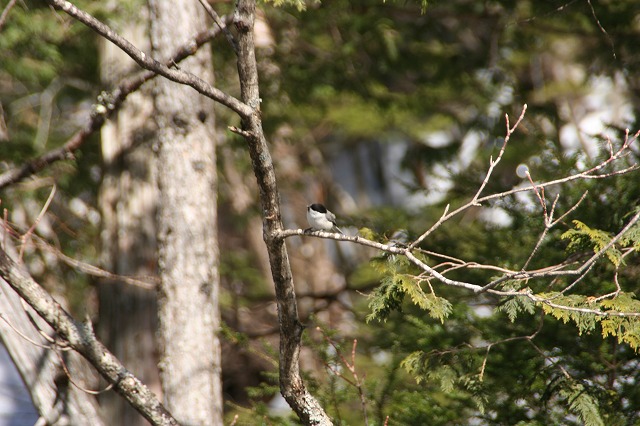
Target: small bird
(321, 219)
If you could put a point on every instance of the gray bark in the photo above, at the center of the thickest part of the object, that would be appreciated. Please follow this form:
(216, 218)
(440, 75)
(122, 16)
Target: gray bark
(81, 338)
(292, 386)
(54, 397)
(128, 200)
(187, 221)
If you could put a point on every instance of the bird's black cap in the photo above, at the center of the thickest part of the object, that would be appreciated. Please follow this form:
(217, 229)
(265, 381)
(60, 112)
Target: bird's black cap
(318, 207)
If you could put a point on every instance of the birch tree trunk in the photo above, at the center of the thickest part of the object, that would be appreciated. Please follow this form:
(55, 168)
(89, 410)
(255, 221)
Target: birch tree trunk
(187, 220)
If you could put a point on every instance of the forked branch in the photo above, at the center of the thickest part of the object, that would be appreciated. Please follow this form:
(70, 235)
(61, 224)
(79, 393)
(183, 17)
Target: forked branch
(564, 269)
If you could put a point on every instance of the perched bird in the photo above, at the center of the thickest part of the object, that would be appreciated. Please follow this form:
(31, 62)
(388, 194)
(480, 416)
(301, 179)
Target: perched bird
(321, 219)
(399, 238)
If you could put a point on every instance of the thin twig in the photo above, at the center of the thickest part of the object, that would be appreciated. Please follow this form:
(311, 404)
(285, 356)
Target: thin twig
(241, 132)
(484, 363)
(575, 282)
(475, 201)
(216, 18)
(613, 293)
(5, 12)
(609, 39)
(83, 389)
(578, 271)
(492, 163)
(445, 216)
(147, 282)
(351, 366)
(550, 223)
(539, 194)
(27, 235)
(586, 174)
(570, 210)
(5, 222)
(24, 336)
(555, 363)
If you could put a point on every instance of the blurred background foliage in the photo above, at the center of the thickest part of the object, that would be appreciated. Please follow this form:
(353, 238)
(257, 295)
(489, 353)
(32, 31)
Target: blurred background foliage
(386, 112)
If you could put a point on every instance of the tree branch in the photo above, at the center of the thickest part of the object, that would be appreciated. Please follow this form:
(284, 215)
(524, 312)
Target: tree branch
(552, 271)
(108, 104)
(65, 152)
(5, 12)
(291, 385)
(81, 338)
(151, 64)
(592, 173)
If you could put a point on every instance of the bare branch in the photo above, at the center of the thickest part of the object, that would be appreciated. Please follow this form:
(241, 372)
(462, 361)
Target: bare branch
(152, 64)
(613, 293)
(220, 24)
(5, 12)
(26, 236)
(586, 174)
(445, 216)
(609, 39)
(492, 163)
(596, 312)
(292, 386)
(540, 194)
(550, 223)
(611, 243)
(351, 366)
(552, 362)
(576, 281)
(543, 235)
(108, 103)
(245, 134)
(24, 336)
(579, 271)
(82, 339)
(552, 271)
(570, 210)
(77, 385)
(65, 152)
(146, 282)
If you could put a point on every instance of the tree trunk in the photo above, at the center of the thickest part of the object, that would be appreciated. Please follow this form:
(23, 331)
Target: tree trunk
(128, 201)
(55, 398)
(187, 221)
(292, 386)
